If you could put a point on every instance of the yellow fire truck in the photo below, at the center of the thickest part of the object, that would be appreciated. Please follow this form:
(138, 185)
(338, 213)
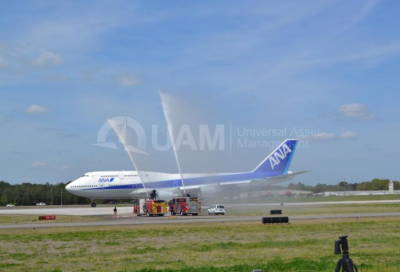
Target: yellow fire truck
(150, 207)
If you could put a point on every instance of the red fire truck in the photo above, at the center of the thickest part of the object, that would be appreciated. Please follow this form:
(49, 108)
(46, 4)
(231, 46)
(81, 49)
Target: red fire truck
(185, 206)
(150, 207)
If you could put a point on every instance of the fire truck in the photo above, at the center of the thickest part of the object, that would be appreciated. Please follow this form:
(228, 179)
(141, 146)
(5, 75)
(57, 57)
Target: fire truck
(185, 206)
(150, 207)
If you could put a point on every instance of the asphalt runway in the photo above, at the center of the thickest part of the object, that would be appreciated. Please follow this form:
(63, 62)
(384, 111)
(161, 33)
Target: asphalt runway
(108, 210)
(131, 221)
(142, 220)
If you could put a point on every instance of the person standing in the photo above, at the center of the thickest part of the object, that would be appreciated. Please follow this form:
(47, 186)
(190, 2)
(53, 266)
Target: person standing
(115, 211)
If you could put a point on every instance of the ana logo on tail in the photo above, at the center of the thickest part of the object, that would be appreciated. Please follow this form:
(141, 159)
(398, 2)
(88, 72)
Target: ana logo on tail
(279, 155)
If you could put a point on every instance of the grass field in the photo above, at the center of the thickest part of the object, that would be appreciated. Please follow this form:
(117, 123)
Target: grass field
(299, 246)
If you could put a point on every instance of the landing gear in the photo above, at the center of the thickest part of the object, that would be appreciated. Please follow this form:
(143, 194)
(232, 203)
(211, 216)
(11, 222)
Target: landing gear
(93, 203)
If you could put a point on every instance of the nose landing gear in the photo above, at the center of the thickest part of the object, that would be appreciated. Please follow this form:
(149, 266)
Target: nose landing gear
(93, 203)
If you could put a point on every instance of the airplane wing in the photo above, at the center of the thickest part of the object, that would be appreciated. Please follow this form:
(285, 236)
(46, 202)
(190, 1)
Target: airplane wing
(277, 179)
(234, 185)
(266, 181)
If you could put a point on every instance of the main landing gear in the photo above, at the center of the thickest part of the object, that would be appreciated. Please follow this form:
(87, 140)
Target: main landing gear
(93, 203)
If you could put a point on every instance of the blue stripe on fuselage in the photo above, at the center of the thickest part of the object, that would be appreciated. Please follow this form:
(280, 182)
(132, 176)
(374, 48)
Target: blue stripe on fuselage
(207, 180)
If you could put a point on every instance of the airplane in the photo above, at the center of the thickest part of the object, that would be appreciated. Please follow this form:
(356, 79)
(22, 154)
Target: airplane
(128, 184)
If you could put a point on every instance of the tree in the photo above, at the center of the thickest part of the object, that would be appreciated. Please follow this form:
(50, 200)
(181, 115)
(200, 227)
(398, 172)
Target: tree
(4, 200)
(319, 188)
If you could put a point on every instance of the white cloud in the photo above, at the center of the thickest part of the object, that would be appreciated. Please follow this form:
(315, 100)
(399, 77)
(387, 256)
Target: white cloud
(319, 136)
(36, 109)
(323, 136)
(64, 167)
(355, 112)
(128, 80)
(47, 58)
(39, 164)
(352, 112)
(348, 135)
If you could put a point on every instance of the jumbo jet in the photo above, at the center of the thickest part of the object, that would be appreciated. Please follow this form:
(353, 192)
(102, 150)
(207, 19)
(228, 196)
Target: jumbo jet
(129, 185)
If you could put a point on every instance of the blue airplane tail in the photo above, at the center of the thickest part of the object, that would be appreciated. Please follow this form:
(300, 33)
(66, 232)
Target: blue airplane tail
(278, 162)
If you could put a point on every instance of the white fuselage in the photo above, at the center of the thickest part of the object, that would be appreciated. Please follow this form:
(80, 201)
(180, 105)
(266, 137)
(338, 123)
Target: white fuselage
(128, 184)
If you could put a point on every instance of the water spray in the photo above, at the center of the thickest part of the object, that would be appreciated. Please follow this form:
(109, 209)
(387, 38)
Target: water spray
(122, 137)
(171, 134)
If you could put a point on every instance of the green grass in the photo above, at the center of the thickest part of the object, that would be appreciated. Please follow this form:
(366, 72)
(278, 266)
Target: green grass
(235, 246)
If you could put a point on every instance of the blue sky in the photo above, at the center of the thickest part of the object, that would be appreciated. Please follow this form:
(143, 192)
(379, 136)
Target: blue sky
(67, 66)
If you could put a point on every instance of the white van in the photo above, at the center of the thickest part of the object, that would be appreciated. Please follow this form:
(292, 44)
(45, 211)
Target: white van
(216, 209)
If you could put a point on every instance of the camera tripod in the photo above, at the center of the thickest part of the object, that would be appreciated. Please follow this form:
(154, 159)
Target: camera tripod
(345, 264)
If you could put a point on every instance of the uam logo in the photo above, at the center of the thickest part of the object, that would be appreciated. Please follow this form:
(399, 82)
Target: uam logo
(279, 155)
(106, 179)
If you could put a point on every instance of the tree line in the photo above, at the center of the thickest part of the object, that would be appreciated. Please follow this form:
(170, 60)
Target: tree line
(375, 184)
(27, 194)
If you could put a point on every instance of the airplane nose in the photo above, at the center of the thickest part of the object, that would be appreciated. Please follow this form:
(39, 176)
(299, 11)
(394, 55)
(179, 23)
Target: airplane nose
(68, 187)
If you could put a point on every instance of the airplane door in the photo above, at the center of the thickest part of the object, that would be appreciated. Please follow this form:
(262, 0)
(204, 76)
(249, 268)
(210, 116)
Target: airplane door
(121, 175)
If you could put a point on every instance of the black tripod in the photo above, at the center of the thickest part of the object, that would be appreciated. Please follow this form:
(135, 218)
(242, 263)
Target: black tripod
(345, 264)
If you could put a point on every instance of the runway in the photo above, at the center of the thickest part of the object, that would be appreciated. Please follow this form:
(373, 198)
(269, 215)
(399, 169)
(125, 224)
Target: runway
(108, 210)
(131, 221)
